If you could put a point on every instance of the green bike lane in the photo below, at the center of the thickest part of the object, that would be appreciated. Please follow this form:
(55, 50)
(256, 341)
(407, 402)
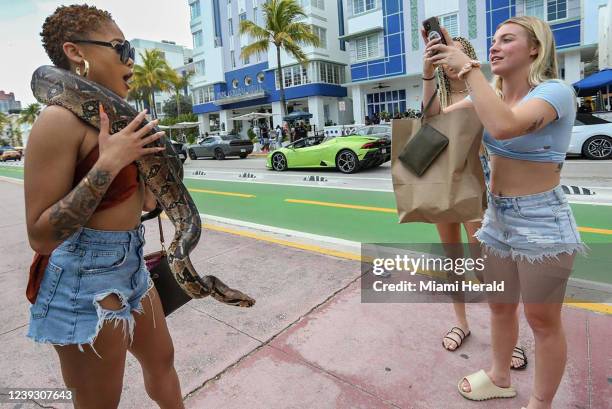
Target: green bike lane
(355, 215)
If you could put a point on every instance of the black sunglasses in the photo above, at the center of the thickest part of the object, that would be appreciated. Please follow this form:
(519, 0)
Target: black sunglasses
(124, 49)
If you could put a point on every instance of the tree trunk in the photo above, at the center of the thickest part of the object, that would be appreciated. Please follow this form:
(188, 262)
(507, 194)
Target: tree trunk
(153, 107)
(281, 82)
(178, 104)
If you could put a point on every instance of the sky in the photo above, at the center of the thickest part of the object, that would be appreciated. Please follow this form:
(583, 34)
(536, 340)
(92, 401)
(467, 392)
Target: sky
(21, 50)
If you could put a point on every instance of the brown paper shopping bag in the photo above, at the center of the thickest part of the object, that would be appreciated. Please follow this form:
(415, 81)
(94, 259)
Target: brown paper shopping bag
(452, 189)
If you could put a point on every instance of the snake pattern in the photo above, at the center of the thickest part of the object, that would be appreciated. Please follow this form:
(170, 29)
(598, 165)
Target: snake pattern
(161, 172)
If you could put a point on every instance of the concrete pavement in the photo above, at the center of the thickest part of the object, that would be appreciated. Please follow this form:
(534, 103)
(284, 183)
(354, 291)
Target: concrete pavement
(308, 342)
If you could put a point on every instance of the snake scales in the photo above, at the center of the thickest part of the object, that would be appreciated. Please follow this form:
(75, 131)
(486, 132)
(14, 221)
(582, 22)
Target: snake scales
(162, 174)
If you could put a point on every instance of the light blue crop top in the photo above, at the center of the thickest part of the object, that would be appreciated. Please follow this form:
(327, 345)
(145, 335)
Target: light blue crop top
(548, 144)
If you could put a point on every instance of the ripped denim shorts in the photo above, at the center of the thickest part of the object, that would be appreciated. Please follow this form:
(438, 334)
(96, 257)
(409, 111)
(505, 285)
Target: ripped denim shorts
(530, 227)
(86, 268)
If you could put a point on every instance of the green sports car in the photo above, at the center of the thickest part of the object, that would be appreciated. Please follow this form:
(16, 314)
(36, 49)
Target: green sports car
(348, 154)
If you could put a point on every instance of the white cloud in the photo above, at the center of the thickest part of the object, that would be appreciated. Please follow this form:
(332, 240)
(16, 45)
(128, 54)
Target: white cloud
(21, 22)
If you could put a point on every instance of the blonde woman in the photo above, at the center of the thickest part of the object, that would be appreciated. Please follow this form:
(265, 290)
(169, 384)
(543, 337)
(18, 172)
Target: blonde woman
(528, 232)
(452, 90)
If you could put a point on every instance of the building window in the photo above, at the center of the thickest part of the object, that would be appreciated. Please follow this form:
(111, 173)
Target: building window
(546, 9)
(261, 77)
(200, 67)
(248, 80)
(242, 17)
(203, 95)
(292, 76)
(194, 9)
(321, 33)
(534, 8)
(233, 58)
(366, 47)
(230, 26)
(361, 6)
(451, 23)
(389, 101)
(197, 39)
(235, 83)
(245, 58)
(320, 4)
(556, 9)
(255, 14)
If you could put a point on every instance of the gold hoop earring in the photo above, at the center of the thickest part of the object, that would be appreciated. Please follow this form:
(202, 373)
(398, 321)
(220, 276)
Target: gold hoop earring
(86, 68)
(78, 71)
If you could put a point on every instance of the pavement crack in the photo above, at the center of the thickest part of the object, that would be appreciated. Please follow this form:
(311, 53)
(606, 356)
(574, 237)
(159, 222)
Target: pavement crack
(267, 342)
(589, 360)
(14, 329)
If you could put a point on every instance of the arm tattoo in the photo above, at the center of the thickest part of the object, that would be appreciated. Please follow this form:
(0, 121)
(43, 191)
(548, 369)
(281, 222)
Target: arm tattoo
(74, 210)
(535, 125)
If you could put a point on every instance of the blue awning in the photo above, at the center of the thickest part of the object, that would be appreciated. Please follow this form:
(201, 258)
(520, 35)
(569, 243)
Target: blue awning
(594, 83)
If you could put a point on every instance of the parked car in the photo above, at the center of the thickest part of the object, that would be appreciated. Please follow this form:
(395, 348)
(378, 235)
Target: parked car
(377, 131)
(220, 147)
(348, 154)
(9, 154)
(591, 137)
(180, 149)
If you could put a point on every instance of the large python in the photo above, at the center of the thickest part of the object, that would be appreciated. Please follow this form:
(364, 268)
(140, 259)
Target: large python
(161, 173)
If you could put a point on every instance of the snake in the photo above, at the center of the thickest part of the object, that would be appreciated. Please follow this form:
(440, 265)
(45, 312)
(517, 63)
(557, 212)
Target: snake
(162, 173)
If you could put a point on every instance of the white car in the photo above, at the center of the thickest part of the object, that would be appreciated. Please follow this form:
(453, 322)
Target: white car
(591, 137)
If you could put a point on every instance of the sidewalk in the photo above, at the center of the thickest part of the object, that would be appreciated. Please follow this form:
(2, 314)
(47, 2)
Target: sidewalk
(308, 342)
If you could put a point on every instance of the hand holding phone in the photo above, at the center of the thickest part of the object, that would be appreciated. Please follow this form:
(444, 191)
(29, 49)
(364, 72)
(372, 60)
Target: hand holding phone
(433, 30)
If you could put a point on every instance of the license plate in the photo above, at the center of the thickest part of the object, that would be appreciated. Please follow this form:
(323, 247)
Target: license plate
(384, 150)
(242, 150)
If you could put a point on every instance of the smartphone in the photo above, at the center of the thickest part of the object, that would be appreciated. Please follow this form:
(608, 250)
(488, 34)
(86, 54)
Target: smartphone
(432, 29)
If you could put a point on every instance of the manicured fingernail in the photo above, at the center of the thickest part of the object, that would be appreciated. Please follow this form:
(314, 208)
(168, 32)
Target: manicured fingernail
(102, 108)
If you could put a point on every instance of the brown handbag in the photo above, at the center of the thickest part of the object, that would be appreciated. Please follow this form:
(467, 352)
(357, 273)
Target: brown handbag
(170, 292)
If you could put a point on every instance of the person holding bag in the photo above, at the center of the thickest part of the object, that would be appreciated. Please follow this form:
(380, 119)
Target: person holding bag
(529, 233)
(452, 90)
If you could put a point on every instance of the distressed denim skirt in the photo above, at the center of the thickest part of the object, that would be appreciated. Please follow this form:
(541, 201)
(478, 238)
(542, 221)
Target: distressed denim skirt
(86, 268)
(530, 227)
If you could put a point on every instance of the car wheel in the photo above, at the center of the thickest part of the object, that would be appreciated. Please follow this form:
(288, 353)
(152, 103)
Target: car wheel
(598, 147)
(243, 155)
(347, 161)
(192, 155)
(219, 155)
(279, 162)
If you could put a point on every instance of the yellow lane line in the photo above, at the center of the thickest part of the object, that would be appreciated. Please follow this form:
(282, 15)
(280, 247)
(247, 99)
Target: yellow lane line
(342, 205)
(594, 230)
(391, 210)
(216, 192)
(595, 307)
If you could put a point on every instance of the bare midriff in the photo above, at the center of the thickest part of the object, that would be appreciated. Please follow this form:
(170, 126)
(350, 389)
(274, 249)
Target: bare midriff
(512, 177)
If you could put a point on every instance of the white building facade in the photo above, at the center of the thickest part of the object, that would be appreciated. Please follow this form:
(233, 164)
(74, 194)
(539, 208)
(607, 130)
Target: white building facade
(386, 47)
(178, 57)
(370, 59)
(227, 86)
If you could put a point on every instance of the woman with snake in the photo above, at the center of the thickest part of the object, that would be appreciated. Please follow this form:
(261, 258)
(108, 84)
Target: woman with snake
(85, 190)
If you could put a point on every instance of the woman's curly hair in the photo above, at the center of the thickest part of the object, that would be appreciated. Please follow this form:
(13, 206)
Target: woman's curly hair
(67, 23)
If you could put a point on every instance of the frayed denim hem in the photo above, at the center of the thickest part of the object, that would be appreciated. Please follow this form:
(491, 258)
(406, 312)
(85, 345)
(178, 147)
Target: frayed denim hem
(551, 253)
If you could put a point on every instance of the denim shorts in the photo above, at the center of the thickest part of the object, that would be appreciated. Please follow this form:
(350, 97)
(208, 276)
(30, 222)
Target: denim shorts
(530, 227)
(86, 268)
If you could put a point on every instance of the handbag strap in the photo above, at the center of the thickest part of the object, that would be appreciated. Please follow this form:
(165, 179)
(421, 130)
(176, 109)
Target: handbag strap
(161, 233)
(431, 100)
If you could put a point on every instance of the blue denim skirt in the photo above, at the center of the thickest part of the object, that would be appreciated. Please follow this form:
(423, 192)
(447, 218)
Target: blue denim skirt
(530, 227)
(86, 268)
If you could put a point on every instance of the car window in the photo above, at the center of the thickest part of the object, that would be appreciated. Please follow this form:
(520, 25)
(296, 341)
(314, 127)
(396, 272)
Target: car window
(577, 123)
(588, 119)
(208, 140)
(299, 144)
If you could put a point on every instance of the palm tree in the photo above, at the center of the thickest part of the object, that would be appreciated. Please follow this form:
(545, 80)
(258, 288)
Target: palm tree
(3, 121)
(285, 31)
(152, 75)
(177, 84)
(29, 115)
